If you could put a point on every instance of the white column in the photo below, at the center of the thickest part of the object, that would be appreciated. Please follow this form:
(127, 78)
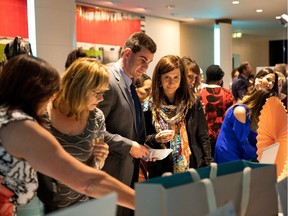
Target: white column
(223, 48)
(55, 29)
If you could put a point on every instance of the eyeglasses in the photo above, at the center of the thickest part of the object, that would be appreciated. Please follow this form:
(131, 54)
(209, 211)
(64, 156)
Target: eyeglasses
(99, 94)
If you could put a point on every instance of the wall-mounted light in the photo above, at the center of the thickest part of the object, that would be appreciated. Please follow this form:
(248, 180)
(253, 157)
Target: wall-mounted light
(283, 19)
(235, 2)
(237, 35)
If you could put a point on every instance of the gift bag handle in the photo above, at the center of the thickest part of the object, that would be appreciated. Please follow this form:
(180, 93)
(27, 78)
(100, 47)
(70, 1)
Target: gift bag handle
(246, 178)
(195, 176)
(213, 170)
(211, 199)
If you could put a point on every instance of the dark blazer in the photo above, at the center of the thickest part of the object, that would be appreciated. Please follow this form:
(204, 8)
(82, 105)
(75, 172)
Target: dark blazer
(239, 87)
(120, 119)
(199, 143)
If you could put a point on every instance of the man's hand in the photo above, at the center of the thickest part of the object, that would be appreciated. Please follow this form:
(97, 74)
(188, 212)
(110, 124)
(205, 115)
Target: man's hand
(139, 151)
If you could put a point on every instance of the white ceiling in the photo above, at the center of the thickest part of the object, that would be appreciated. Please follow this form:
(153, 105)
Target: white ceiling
(205, 12)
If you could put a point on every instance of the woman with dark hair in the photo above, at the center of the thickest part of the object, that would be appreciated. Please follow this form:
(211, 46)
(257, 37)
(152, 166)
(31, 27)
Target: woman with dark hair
(173, 107)
(27, 84)
(74, 55)
(193, 73)
(237, 137)
(264, 79)
(143, 87)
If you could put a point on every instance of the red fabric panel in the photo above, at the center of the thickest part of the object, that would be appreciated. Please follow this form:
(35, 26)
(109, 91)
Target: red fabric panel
(105, 32)
(14, 20)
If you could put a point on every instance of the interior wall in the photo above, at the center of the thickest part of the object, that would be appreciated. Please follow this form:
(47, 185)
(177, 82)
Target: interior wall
(198, 43)
(252, 49)
(55, 30)
(166, 34)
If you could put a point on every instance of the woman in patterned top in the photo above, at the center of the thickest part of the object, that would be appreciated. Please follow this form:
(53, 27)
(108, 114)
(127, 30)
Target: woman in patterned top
(27, 84)
(174, 107)
(73, 119)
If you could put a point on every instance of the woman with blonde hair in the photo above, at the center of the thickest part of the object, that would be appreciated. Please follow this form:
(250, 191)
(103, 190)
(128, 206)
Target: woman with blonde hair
(27, 85)
(73, 118)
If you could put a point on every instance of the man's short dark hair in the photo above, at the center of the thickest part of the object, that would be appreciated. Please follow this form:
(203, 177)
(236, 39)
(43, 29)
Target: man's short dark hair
(138, 40)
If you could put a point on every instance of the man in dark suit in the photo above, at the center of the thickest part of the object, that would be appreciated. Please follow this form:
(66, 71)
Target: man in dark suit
(241, 83)
(123, 113)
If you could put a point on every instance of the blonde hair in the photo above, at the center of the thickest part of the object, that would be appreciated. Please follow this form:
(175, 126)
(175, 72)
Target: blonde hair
(83, 75)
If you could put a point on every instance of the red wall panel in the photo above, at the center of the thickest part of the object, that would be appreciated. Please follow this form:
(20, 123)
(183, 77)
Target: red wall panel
(14, 20)
(105, 32)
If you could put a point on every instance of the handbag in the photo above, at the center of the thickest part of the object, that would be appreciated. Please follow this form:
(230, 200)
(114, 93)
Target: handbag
(249, 186)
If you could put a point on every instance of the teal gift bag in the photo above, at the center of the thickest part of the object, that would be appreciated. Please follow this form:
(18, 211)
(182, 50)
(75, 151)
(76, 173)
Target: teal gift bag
(249, 186)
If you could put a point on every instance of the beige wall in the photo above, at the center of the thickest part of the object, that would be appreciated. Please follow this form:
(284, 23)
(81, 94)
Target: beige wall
(166, 34)
(252, 49)
(197, 42)
(55, 30)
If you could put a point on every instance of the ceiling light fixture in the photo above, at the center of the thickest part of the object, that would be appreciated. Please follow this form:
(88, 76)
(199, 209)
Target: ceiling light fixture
(235, 2)
(170, 7)
(259, 10)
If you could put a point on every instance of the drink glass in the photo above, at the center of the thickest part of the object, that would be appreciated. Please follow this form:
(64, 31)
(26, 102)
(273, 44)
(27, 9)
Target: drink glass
(98, 139)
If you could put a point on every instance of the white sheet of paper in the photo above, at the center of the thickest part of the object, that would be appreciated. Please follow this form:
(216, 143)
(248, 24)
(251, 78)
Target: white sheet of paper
(105, 206)
(159, 154)
(269, 154)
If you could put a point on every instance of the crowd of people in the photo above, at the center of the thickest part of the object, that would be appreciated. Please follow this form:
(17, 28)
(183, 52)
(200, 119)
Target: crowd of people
(50, 125)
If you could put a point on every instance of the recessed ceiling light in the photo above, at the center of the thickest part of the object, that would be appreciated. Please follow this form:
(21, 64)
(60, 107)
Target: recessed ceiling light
(170, 7)
(235, 2)
(259, 10)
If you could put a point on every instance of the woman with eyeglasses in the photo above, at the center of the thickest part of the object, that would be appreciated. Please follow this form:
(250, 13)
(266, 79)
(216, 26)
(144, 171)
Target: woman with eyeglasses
(73, 118)
(175, 119)
(26, 148)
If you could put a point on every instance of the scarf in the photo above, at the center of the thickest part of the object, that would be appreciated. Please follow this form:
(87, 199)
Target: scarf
(173, 118)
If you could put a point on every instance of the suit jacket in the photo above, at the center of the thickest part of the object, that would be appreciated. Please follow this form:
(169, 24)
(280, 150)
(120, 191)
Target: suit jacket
(239, 87)
(120, 119)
